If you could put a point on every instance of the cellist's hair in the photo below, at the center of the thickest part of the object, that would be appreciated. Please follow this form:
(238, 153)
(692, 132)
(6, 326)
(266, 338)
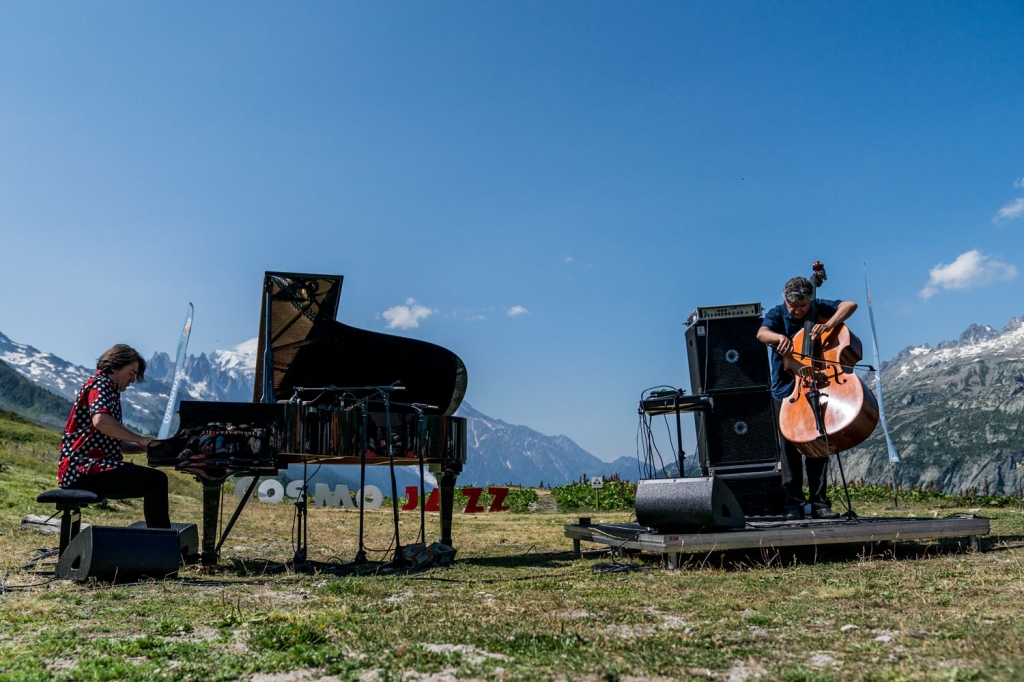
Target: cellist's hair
(798, 289)
(120, 356)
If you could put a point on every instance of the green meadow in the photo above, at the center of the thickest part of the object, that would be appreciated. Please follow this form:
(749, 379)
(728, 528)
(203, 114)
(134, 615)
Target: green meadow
(516, 604)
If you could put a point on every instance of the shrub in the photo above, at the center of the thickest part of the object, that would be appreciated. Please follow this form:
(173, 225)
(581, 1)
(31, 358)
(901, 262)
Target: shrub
(614, 495)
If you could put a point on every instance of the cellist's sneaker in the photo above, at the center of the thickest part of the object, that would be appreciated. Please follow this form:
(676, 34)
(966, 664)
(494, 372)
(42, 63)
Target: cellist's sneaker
(794, 514)
(825, 513)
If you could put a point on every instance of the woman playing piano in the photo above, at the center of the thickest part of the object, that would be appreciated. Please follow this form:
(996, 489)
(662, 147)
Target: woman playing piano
(95, 440)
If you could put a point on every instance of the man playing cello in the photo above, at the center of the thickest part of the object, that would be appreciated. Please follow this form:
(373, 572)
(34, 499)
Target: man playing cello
(781, 324)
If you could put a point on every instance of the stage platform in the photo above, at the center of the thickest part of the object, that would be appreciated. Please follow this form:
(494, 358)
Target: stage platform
(766, 532)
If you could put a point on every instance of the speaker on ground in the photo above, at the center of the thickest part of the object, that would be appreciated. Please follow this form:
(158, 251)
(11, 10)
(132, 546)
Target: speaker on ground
(687, 504)
(758, 494)
(188, 539)
(123, 554)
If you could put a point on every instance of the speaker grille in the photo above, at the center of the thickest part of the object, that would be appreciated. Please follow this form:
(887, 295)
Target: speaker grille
(740, 429)
(725, 354)
(757, 496)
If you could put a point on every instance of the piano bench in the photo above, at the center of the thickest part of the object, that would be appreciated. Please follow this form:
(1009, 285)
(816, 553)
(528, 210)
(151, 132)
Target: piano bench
(70, 502)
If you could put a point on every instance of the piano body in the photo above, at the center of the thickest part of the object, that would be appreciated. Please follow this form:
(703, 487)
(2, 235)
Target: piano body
(324, 393)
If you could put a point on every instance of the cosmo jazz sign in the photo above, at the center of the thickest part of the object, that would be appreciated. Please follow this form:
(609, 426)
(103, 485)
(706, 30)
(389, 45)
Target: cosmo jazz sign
(273, 491)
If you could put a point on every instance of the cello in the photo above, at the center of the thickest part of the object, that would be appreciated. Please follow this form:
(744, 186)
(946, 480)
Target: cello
(830, 408)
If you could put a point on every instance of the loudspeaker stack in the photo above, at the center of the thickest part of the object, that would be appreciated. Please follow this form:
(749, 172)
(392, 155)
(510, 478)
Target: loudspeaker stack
(737, 439)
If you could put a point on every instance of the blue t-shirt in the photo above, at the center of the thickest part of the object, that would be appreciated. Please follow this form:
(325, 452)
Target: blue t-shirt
(780, 321)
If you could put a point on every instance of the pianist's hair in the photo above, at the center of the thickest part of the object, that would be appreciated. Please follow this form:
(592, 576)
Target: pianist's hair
(120, 356)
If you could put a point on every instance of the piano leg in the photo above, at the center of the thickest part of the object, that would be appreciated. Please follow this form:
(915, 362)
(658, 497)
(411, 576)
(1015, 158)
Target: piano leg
(211, 511)
(446, 483)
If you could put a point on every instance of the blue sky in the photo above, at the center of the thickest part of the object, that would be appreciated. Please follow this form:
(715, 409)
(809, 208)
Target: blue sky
(554, 185)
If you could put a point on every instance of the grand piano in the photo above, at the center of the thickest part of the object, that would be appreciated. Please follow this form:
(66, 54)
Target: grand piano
(324, 393)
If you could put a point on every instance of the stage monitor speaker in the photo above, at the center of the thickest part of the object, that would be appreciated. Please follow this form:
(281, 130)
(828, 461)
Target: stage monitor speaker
(188, 538)
(119, 554)
(757, 494)
(740, 428)
(725, 354)
(686, 504)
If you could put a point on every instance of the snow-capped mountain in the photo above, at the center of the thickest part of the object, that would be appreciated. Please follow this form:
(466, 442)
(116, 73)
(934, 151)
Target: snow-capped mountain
(44, 369)
(954, 413)
(225, 375)
(222, 375)
(143, 404)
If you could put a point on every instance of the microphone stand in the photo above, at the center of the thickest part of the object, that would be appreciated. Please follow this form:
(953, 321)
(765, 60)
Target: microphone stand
(385, 394)
(301, 502)
(420, 447)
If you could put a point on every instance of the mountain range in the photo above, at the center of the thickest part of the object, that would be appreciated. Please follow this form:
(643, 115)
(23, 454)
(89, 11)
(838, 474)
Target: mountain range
(953, 410)
(497, 452)
(954, 414)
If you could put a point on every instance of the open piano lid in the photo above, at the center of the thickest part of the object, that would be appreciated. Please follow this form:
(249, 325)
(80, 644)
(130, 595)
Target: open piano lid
(310, 348)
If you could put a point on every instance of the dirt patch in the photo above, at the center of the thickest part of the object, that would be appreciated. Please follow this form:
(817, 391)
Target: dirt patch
(819, 659)
(740, 672)
(573, 614)
(293, 676)
(398, 598)
(471, 654)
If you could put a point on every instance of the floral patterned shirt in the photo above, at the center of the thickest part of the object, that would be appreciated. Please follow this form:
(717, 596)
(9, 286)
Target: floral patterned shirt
(84, 450)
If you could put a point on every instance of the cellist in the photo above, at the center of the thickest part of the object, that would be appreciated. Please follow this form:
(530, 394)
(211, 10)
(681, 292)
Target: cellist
(781, 324)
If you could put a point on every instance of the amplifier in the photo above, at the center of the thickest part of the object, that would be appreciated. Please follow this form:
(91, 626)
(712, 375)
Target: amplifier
(718, 312)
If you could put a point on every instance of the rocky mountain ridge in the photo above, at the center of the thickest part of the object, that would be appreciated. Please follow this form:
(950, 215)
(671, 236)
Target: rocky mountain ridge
(954, 414)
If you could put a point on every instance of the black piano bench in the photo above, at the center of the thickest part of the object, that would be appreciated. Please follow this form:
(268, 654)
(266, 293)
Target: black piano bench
(70, 502)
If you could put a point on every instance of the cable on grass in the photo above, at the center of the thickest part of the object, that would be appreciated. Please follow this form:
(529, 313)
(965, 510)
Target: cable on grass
(619, 567)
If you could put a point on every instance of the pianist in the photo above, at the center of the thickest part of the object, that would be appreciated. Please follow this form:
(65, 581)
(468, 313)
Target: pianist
(95, 440)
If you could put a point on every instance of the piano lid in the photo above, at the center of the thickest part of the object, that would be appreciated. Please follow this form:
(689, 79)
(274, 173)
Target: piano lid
(310, 348)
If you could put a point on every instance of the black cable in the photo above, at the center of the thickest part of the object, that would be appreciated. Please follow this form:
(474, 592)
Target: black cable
(619, 567)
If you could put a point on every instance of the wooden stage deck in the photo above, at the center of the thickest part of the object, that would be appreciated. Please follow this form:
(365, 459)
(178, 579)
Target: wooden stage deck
(777, 533)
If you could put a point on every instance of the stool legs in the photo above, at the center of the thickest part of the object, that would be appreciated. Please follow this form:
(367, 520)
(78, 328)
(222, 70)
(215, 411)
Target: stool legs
(70, 524)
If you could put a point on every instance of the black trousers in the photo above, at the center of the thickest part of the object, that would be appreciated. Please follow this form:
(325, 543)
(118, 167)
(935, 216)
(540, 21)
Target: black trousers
(793, 475)
(132, 480)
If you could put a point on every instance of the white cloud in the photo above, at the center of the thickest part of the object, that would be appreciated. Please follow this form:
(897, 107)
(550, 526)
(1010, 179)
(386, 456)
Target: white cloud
(407, 316)
(1019, 184)
(568, 259)
(1011, 211)
(517, 310)
(970, 269)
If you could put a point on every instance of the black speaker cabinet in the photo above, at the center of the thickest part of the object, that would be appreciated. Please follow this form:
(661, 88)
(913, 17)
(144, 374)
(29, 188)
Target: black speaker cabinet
(120, 554)
(725, 354)
(673, 505)
(188, 539)
(740, 428)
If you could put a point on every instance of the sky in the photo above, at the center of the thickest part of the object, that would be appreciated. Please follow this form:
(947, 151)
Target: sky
(546, 189)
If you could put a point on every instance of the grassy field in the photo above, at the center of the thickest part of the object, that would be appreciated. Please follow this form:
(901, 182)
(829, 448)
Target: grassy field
(515, 606)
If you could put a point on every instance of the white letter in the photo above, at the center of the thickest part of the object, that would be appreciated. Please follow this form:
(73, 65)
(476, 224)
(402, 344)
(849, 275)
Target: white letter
(241, 485)
(325, 498)
(370, 497)
(294, 489)
(271, 491)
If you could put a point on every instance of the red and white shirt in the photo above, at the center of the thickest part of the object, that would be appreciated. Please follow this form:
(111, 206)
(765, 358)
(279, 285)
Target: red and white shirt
(84, 450)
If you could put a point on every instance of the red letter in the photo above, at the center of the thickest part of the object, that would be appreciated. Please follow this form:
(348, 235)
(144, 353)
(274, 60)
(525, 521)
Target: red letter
(499, 498)
(474, 496)
(413, 494)
(433, 500)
